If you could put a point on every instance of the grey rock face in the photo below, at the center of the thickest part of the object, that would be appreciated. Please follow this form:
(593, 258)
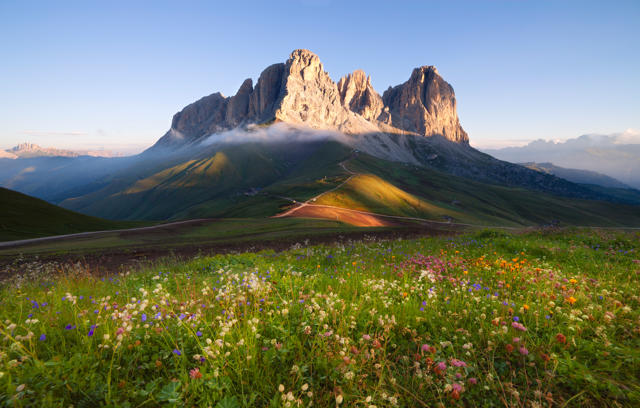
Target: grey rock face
(301, 92)
(238, 105)
(312, 99)
(266, 94)
(358, 95)
(426, 105)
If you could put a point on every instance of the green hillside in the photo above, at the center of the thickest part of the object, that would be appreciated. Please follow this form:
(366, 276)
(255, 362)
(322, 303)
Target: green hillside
(217, 183)
(264, 179)
(470, 201)
(23, 217)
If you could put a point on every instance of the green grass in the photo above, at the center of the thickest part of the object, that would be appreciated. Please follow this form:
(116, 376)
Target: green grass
(229, 231)
(367, 192)
(488, 319)
(216, 183)
(24, 217)
(473, 202)
(256, 180)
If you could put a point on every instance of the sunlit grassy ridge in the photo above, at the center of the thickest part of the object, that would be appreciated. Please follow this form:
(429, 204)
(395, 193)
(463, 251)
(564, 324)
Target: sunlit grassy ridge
(489, 204)
(490, 319)
(367, 192)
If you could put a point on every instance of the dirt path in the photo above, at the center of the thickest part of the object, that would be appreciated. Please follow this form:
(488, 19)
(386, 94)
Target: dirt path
(9, 244)
(312, 199)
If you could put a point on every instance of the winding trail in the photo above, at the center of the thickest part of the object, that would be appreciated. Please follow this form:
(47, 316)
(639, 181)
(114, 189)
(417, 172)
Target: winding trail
(312, 199)
(309, 203)
(92, 233)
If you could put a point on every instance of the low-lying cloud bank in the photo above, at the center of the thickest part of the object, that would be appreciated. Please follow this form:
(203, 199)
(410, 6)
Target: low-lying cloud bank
(279, 132)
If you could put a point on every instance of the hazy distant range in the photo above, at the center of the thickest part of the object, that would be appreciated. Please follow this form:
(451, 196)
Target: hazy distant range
(616, 155)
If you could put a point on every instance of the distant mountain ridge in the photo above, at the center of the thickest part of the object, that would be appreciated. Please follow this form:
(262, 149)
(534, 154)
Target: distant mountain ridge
(576, 175)
(30, 150)
(616, 155)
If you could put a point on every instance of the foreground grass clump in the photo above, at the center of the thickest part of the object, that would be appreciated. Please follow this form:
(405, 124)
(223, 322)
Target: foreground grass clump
(540, 319)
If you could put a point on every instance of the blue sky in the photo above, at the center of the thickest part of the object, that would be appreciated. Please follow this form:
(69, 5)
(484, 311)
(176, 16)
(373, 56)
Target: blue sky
(112, 74)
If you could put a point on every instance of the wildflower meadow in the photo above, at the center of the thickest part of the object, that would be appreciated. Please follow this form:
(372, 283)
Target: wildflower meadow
(536, 319)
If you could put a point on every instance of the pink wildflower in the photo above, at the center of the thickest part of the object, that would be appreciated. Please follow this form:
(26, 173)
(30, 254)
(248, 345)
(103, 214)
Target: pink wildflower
(195, 373)
(458, 363)
(518, 326)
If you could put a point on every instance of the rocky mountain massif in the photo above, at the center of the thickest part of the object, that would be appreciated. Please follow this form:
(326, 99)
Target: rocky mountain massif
(415, 122)
(301, 92)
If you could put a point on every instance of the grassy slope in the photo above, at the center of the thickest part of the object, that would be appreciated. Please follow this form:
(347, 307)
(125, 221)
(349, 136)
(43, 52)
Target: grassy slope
(215, 184)
(368, 192)
(399, 189)
(23, 217)
(259, 180)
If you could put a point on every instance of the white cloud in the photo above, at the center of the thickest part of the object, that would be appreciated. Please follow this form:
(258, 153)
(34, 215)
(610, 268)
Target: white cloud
(498, 143)
(629, 136)
(278, 132)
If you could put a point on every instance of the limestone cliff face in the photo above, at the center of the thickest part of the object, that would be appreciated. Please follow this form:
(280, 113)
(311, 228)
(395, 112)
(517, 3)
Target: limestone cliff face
(300, 91)
(311, 98)
(266, 94)
(425, 104)
(358, 95)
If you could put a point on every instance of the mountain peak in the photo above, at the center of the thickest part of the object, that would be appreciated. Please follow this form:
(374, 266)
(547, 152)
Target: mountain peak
(300, 91)
(427, 68)
(425, 104)
(25, 147)
(358, 95)
(304, 55)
